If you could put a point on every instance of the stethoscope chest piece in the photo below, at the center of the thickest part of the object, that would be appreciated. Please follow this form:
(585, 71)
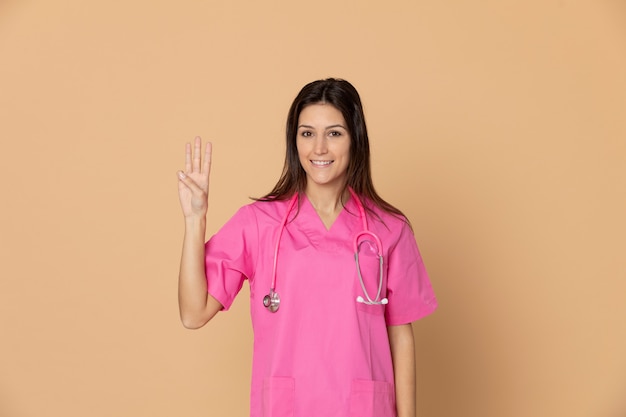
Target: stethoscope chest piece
(272, 301)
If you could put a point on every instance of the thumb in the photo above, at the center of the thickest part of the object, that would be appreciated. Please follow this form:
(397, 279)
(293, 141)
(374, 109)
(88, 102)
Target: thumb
(188, 182)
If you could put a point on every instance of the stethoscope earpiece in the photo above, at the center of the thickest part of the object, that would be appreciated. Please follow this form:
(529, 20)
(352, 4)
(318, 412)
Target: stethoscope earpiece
(360, 299)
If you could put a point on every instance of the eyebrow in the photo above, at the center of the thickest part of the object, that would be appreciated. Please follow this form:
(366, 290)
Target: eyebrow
(327, 127)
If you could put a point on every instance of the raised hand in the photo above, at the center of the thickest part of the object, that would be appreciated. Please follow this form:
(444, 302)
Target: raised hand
(193, 183)
(196, 305)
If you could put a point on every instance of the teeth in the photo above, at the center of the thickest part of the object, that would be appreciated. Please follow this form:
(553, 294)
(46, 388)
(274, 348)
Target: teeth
(321, 162)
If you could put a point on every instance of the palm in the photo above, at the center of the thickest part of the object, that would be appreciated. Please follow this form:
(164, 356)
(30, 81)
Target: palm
(193, 191)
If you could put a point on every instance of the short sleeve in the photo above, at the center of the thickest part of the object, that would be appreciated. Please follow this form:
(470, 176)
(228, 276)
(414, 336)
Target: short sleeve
(230, 256)
(409, 290)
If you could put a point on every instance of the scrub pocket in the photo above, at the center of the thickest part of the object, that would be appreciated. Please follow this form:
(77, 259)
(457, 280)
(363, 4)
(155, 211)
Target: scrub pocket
(278, 397)
(372, 399)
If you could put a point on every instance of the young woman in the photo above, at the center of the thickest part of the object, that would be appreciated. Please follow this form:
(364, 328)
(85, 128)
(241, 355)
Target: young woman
(335, 275)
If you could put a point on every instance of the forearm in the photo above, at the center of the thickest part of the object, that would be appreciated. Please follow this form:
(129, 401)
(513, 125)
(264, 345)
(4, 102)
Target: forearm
(403, 356)
(196, 306)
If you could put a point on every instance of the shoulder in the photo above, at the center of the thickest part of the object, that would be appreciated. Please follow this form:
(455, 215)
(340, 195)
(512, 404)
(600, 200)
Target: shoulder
(393, 229)
(390, 220)
(252, 219)
(263, 210)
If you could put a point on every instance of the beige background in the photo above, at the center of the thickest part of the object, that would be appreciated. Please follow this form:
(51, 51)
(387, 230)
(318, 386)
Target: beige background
(497, 126)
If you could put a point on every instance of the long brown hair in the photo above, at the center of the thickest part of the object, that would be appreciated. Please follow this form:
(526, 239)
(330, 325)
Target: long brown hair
(343, 96)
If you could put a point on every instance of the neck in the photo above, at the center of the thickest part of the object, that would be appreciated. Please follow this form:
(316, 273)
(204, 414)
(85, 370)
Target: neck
(326, 199)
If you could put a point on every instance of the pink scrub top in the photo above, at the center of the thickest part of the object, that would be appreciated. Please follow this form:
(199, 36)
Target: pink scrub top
(322, 353)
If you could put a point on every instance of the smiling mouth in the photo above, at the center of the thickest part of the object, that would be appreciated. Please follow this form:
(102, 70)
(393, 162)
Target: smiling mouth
(321, 163)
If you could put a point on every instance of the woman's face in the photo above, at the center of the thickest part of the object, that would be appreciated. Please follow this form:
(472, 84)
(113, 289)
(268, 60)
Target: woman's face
(323, 144)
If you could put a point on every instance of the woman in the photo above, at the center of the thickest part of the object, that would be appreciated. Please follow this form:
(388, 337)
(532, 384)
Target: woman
(333, 336)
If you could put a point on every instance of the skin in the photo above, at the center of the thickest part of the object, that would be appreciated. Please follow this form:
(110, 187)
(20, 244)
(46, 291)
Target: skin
(403, 356)
(196, 305)
(323, 144)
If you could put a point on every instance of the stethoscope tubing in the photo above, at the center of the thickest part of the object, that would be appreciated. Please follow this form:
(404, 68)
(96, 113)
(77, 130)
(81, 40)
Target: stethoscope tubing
(292, 203)
(368, 299)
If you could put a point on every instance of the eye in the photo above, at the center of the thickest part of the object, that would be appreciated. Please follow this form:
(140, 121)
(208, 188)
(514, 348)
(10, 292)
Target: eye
(306, 133)
(334, 133)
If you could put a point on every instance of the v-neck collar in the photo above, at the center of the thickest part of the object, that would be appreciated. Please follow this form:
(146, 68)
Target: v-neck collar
(315, 222)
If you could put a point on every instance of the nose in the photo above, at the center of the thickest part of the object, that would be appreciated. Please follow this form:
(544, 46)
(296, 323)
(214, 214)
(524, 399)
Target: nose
(321, 147)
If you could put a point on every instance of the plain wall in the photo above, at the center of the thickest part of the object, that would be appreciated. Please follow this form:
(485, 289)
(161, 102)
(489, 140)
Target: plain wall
(498, 127)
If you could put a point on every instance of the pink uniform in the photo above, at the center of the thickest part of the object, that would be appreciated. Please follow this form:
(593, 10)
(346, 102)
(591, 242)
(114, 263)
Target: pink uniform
(322, 353)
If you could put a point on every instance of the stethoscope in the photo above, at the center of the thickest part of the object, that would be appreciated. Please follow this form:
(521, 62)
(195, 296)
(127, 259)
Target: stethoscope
(272, 300)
